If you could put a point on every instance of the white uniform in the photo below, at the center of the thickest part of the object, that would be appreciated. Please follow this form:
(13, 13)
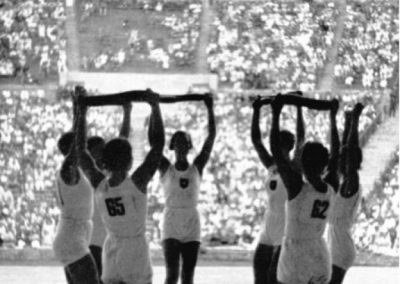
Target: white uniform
(339, 235)
(181, 217)
(273, 228)
(75, 226)
(125, 255)
(304, 256)
(99, 231)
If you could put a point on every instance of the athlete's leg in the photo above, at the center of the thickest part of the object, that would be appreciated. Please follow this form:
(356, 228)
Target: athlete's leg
(261, 262)
(96, 253)
(190, 251)
(273, 268)
(337, 275)
(84, 270)
(172, 248)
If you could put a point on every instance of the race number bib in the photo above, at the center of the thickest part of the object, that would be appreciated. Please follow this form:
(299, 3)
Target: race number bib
(319, 209)
(115, 207)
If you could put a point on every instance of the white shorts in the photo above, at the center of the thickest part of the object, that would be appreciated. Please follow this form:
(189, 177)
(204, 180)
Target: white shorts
(126, 259)
(342, 247)
(72, 240)
(273, 230)
(304, 262)
(182, 224)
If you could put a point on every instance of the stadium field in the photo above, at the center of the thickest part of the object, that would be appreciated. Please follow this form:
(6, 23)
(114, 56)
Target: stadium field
(205, 274)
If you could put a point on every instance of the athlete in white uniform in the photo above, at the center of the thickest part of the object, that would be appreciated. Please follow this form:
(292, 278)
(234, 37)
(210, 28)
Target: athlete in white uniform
(181, 217)
(347, 200)
(75, 195)
(95, 146)
(181, 183)
(268, 249)
(305, 257)
(122, 201)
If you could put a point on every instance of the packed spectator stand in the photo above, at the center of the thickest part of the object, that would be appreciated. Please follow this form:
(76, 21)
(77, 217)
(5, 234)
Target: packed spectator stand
(370, 45)
(270, 45)
(175, 49)
(32, 40)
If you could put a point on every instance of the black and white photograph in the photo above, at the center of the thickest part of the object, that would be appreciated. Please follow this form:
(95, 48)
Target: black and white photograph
(199, 142)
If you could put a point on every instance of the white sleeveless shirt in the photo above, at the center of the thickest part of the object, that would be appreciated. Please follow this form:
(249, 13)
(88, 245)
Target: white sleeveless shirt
(272, 229)
(307, 214)
(99, 231)
(276, 193)
(123, 208)
(344, 210)
(181, 188)
(76, 200)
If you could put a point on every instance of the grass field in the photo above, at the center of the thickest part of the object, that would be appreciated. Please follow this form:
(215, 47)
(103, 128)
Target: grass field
(207, 273)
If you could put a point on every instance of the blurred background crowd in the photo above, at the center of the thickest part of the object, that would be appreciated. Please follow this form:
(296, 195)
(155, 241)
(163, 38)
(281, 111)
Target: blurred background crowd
(32, 39)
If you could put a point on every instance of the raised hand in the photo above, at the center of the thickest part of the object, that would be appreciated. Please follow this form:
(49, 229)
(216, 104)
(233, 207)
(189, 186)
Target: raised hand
(257, 103)
(358, 108)
(335, 107)
(209, 100)
(277, 103)
(152, 98)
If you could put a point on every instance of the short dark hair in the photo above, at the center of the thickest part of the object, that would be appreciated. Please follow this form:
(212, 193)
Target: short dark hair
(179, 134)
(286, 139)
(314, 157)
(94, 141)
(117, 155)
(65, 142)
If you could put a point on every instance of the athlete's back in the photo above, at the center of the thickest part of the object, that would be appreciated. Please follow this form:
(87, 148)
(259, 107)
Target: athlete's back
(123, 208)
(307, 214)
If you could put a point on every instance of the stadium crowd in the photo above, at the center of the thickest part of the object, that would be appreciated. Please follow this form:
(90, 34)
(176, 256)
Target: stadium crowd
(378, 219)
(370, 45)
(270, 45)
(32, 39)
(231, 200)
(177, 50)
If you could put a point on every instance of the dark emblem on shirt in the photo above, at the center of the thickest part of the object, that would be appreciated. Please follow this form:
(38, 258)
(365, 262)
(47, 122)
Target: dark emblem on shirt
(273, 184)
(184, 182)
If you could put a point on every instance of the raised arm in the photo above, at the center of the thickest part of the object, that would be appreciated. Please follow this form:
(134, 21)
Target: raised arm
(332, 176)
(126, 122)
(69, 168)
(262, 152)
(205, 152)
(146, 170)
(291, 178)
(75, 109)
(300, 134)
(343, 154)
(86, 162)
(354, 155)
(164, 162)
